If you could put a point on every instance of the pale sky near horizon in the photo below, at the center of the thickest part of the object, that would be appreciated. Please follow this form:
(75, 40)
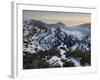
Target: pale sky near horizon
(50, 17)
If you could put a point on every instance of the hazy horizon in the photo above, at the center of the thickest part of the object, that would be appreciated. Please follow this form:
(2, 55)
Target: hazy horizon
(50, 17)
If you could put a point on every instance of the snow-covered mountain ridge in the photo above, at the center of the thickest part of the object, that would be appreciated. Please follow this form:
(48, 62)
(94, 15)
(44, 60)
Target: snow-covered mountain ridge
(39, 36)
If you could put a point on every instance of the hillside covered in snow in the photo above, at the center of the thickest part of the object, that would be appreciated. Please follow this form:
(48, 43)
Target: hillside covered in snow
(55, 45)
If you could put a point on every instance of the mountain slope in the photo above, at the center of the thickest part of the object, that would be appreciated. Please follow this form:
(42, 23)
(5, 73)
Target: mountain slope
(57, 46)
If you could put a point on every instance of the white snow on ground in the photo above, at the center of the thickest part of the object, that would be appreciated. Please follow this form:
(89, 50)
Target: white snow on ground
(73, 48)
(62, 54)
(26, 32)
(76, 63)
(55, 60)
(63, 46)
(77, 34)
(66, 48)
(31, 48)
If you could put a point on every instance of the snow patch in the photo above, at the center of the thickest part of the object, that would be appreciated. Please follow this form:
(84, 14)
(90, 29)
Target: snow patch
(55, 60)
(76, 63)
(63, 56)
(73, 48)
(77, 34)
